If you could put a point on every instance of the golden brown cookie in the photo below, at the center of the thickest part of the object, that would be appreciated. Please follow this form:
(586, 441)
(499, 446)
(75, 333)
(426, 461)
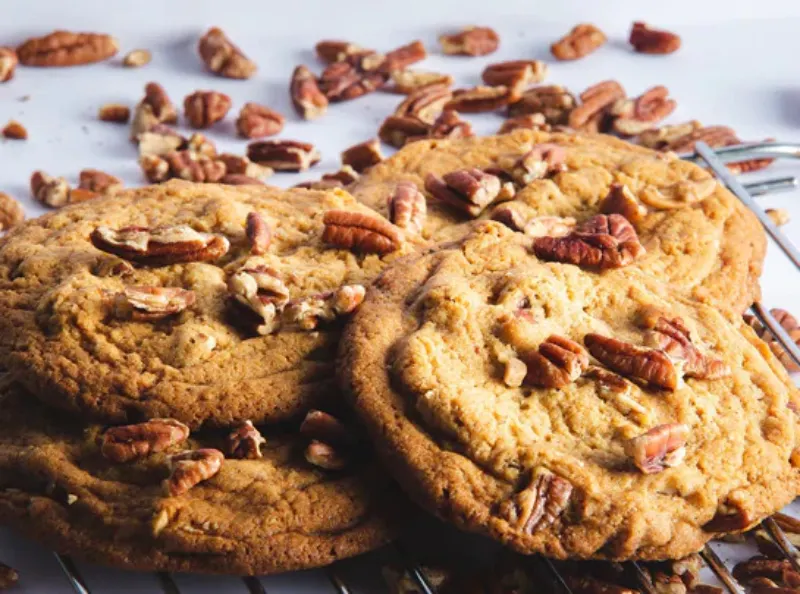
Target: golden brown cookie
(697, 234)
(567, 411)
(178, 301)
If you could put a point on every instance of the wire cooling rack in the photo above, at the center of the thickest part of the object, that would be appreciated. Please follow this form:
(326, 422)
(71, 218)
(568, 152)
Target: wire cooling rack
(339, 577)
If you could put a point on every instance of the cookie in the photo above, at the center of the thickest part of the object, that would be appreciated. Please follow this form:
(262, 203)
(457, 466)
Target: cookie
(203, 303)
(87, 492)
(566, 411)
(697, 234)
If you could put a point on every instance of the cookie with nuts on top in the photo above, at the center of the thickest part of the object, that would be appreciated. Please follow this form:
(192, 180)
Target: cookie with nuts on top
(695, 233)
(155, 496)
(205, 303)
(566, 410)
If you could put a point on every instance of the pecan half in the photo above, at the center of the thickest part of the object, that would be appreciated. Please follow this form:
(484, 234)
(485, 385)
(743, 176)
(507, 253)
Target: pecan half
(662, 137)
(360, 231)
(137, 58)
(581, 41)
(330, 51)
(449, 125)
(11, 212)
(13, 130)
(620, 200)
(95, 180)
(190, 468)
(672, 337)
(554, 102)
(222, 57)
(344, 177)
(114, 112)
(308, 100)
(8, 577)
(539, 504)
(160, 140)
(514, 372)
(150, 304)
(205, 108)
(241, 165)
(470, 41)
(482, 99)
(261, 291)
(154, 168)
(768, 573)
(50, 191)
(730, 517)
(651, 366)
(8, 64)
(362, 156)
(398, 130)
(531, 121)
(634, 116)
(342, 81)
(542, 160)
(407, 207)
(237, 179)
(659, 448)
(549, 226)
(325, 427)
(653, 41)
(408, 81)
(283, 155)
(307, 313)
(325, 456)
(160, 246)
(196, 168)
(258, 121)
(559, 361)
(425, 104)
(596, 100)
(258, 233)
(514, 73)
(403, 57)
(510, 217)
(163, 109)
(792, 327)
(131, 442)
(64, 48)
(244, 442)
(468, 190)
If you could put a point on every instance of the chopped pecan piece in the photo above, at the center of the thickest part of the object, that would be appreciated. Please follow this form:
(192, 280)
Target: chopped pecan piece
(672, 337)
(161, 245)
(196, 168)
(64, 48)
(160, 140)
(11, 212)
(324, 456)
(8, 577)
(149, 304)
(95, 180)
(515, 73)
(542, 160)
(559, 361)
(407, 207)
(792, 327)
(659, 448)
(205, 108)
(661, 138)
(154, 168)
(308, 312)
(258, 233)
(539, 504)
(777, 571)
(425, 104)
(531, 121)
(596, 100)
(237, 179)
(549, 226)
(258, 121)
(482, 99)
(634, 116)
(554, 102)
(651, 366)
(222, 57)
(468, 190)
(342, 81)
(240, 165)
(163, 109)
(283, 155)
(308, 100)
(50, 191)
(581, 41)
(330, 51)
(470, 41)
(131, 442)
(13, 130)
(403, 56)
(408, 81)
(344, 177)
(190, 468)
(114, 112)
(620, 200)
(510, 217)
(8, 64)
(514, 372)
(199, 145)
(325, 427)
(730, 517)
(261, 291)
(244, 442)
(398, 130)
(360, 231)
(362, 156)
(137, 58)
(450, 125)
(653, 41)
(778, 216)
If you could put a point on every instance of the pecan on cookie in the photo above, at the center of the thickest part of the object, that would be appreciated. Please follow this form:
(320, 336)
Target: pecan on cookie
(659, 448)
(540, 503)
(469, 190)
(245, 441)
(558, 362)
(149, 304)
(407, 207)
(160, 246)
(190, 468)
(361, 231)
(651, 366)
(261, 291)
(129, 442)
(306, 313)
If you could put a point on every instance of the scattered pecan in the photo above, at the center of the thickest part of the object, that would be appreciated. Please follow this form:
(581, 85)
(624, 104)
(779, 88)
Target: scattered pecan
(514, 73)
(64, 48)
(362, 156)
(361, 231)
(531, 121)
(156, 97)
(205, 108)
(559, 361)
(653, 41)
(554, 102)
(131, 442)
(398, 130)
(308, 100)
(468, 190)
(539, 504)
(510, 217)
(283, 155)
(581, 41)
(450, 125)
(514, 372)
(137, 58)
(81, 195)
(149, 304)
(160, 245)
(342, 81)
(237, 179)
(661, 138)
(634, 116)
(425, 104)
(325, 427)
(651, 366)
(324, 456)
(672, 336)
(542, 160)
(196, 168)
(244, 442)
(154, 168)
(596, 100)
(407, 207)
(15, 131)
(222, 57)
(8, 64)
(792, 327)
(659, 448)
(50, 191)
(344, 177)
(679, 194)
(199, 145)
(482, 99)
(261, 291)
(403, 57)
(713, 136)
(240, 165)
(258, 233)
(11, 212)
(258, 121)
(95, 180)
(330, 51)
(778, 216)
(731, 516)
(114, 112)
(777, 571)
(620, 200)
(470, 41)
(191, 467)
(408, 81)
(307, 313)
(8, 577)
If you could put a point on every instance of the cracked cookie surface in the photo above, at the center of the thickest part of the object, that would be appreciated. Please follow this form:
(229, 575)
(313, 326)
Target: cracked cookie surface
(567, 412)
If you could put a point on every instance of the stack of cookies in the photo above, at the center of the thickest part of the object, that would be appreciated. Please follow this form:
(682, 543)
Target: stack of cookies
(537, 335)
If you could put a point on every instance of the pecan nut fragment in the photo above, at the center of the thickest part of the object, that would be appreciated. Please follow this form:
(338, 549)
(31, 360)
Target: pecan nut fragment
(514, 372)
(540, 504)
(634, 116)
(325, 456)
(308, 100)
(14, 130)
(222, 57)
(137, 58)
(549, 226)
(205, 108)
(345, 176)
(596, 100)
(425, 104)
(408, 81)
(603, 241)
(651, 366)
(554, 102)
(160, 140)
(150, 304)
(398, 130)
(283, 155)
(163, 109)
(542, 160)
(361, 231)
(403, 57)
(730, 517)
(653, 41)
(531, 121)
(244, 442)
(325, 427)
(114, 112)
(408, 207)
(307, 313)
(258, 233)
(131, 442)
(672, 336)
(64, 48)
(662, 137)
(620, 200)
(482, 99)
(470, 41)
(258, 121)
(342, 81)
(262, 292)
(469, 190)
(196, 168)
(8, 64)
(514, 73)
(777, 571)
(658, 448)
(330, 51)
(160, 246)
(50, 191)
(11, 212)
(95, 180)
(240, 165)
(792, 327)
(237, 179)
(558, 362)
(450, 125)
(362, 156)
(190, 468)
(154, 168)
(581, 41)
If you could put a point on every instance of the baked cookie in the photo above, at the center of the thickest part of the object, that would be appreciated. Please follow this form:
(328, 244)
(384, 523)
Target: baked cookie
(566, 411)
(696, 233)
(197, 302)
(129, 496)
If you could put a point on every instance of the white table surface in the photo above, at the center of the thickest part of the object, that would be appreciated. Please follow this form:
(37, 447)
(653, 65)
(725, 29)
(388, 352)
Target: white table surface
(738, 67)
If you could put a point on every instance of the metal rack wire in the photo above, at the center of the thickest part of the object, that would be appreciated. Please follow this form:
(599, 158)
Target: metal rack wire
(714, 160)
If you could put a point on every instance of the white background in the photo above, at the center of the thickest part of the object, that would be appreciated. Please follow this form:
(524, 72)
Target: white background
(738, 67)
